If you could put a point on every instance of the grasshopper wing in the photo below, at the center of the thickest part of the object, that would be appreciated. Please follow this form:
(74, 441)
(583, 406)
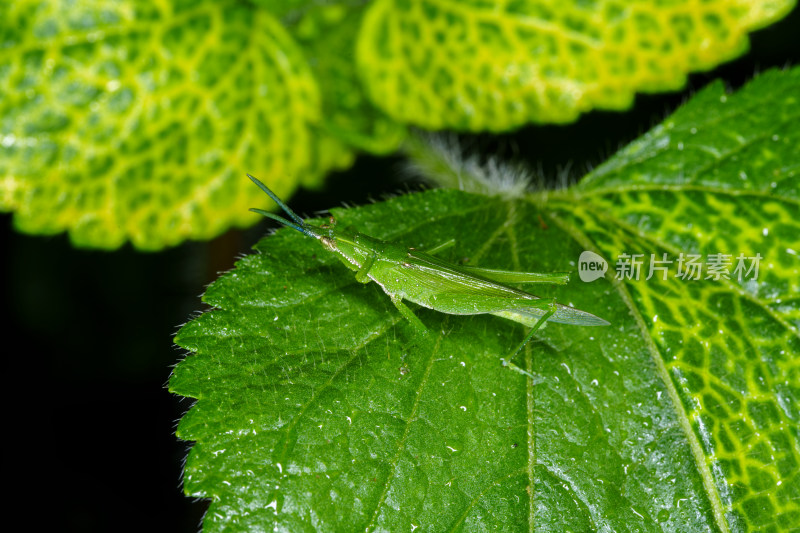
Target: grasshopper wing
(509, 276)
(449, 288)
(563, 315)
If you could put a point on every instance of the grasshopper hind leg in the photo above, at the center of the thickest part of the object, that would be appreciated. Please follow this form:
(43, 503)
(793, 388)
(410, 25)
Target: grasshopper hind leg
(409, 315)
(539, 323)
(515, 368)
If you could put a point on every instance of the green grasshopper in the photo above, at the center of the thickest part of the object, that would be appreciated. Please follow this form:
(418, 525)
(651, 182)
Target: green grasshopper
(416, 276)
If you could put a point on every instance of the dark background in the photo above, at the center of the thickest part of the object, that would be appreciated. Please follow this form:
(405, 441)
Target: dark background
(88, 422)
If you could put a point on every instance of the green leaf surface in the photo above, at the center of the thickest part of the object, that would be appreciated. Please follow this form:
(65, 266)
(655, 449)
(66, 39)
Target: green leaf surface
(135, 120)
(320, 409)
(478, 65)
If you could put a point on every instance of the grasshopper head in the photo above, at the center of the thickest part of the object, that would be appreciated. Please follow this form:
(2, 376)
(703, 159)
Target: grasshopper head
(352, 247)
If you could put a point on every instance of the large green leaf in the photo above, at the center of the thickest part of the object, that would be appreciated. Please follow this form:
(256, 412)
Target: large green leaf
(478, 64)
(133, 120)
(318, 408)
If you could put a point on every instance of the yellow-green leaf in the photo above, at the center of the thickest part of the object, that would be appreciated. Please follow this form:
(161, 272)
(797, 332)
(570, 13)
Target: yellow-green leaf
(478, 65)
(720, 176)
(136, 120)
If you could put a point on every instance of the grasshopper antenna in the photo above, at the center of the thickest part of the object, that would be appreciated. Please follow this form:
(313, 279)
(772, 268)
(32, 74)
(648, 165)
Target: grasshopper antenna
(278, 201)
(280, 219)
(300, 224)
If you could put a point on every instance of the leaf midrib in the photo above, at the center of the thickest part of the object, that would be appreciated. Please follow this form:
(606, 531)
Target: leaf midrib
(697, 451)
(402, 442)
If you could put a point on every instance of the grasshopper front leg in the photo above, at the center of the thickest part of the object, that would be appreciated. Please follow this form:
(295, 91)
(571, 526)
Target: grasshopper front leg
(439, 247)
(362, 276)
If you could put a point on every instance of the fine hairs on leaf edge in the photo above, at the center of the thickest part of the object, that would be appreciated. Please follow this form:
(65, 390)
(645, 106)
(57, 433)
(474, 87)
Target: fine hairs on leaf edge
(440, 160)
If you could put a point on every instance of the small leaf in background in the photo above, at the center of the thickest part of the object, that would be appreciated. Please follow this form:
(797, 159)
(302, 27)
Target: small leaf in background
(476, 65)
(326, 34)
(318, 408)
(136, 120)
(325, 31)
